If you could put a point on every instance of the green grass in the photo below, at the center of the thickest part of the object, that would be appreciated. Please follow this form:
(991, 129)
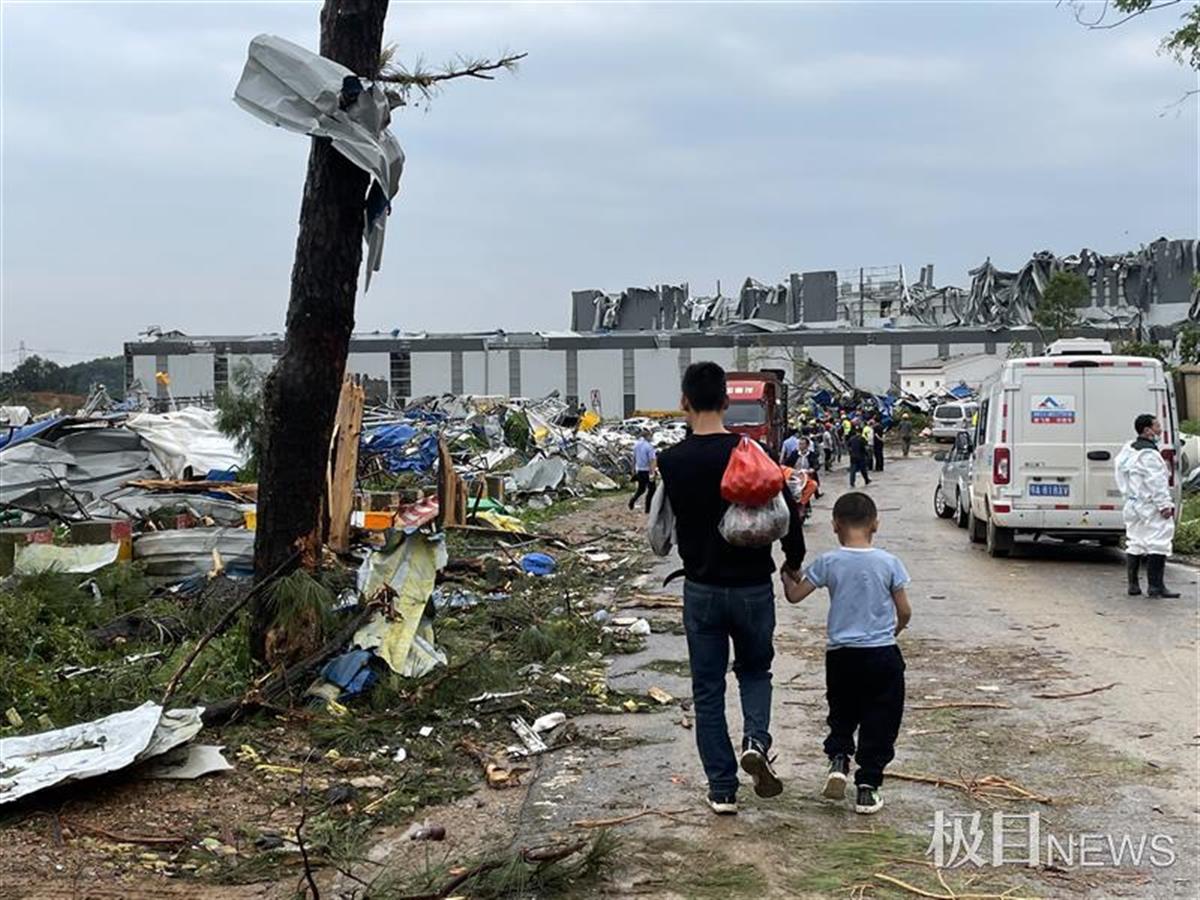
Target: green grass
(1187, 532)
(49, 620)
(678, 667)
(850, 859)
(719, 879)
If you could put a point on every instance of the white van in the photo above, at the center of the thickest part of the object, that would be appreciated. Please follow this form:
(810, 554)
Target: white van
(1048, 433)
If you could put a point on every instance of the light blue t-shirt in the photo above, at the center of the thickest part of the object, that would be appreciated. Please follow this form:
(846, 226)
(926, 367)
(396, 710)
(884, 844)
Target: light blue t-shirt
(643, 455)
(860, 581)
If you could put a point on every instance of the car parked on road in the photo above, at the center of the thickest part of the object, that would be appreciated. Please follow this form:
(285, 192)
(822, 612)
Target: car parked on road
(951, 497)
(951, 418)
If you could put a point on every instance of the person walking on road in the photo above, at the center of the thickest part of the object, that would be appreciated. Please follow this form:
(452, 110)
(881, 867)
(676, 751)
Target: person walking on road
(728, 596)
(1145, 481)
(827, 444)
(864, 669)
(860, 456)
(905, 433)
(644, 467)
(877, 443)
(868, 433)
(789, 452)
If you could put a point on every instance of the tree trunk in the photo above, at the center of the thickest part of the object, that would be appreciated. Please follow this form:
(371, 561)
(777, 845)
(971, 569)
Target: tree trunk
(301, 394)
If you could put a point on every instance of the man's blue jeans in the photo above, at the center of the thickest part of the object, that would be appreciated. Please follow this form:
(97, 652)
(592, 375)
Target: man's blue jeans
(858, 467)
(712, 617)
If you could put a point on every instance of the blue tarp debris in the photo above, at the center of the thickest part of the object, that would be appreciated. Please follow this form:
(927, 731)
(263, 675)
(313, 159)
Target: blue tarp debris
(538, 563)
(24, 433)
(962, 392)
(351, 672)
(402, 447)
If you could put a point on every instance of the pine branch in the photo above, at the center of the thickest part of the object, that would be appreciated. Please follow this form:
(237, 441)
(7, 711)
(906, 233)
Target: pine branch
(427, 81)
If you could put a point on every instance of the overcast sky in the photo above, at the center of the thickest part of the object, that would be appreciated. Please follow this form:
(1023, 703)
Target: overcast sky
(638, 144)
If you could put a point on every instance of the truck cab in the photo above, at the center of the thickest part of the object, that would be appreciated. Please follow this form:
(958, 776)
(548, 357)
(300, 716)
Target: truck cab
(758, 406)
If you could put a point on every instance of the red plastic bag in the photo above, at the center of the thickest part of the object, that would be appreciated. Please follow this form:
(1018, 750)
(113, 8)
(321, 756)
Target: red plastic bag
(751, 478)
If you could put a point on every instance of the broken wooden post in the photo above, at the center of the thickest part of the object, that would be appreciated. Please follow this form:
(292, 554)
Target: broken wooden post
(343, 463)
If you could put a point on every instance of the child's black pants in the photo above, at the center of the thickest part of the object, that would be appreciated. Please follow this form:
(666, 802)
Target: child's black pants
(865, 690)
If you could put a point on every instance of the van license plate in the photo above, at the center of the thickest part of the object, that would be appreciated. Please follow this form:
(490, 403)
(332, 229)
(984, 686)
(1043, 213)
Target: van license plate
(1040, 489)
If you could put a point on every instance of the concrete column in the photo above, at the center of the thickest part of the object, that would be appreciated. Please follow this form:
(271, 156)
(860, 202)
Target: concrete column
(848, 362)
(943, 348)
(741, 355)
(895, 365)
(989, 347)
(685, 360)
(629, 382)
(456, 371)
(573, 376)
(514, 373)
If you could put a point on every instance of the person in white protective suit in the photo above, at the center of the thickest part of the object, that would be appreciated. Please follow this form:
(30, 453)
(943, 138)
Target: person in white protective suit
(1144, 480)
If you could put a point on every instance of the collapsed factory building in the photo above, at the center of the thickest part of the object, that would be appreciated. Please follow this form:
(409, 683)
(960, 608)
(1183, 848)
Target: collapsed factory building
(625, 351)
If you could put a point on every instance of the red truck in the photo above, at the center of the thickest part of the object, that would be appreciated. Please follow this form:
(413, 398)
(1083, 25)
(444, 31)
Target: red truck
(758, 406)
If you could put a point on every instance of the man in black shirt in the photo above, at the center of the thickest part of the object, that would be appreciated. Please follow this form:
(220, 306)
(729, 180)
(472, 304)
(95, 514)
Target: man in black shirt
(728, 594)
(860, 456)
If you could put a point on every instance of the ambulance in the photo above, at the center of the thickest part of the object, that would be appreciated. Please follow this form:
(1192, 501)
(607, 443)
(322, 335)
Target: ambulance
(1048, 433)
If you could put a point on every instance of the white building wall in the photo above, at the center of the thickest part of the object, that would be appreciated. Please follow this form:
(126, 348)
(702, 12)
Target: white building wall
(974, 372)
(921, 382)
(543, 371)
(495, 373)
(911, 353)
(143, 371)
(966, 349)
(262, 362)
(602, 370)
(873, 367)
(656, 378)
(725, 357)
(191, 374)
(829, 357)
(474, 364)
(430, 373)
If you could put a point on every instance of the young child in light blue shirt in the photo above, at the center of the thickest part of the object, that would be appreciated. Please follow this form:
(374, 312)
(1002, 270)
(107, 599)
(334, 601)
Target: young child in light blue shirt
(864, 669)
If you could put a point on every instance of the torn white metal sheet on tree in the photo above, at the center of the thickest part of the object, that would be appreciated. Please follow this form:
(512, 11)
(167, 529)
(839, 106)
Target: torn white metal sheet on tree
(286, 85)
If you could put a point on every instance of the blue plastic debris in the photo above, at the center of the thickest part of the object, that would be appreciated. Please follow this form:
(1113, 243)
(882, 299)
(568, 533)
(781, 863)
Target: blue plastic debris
(351, 672)
(402, 447)
(538, 563)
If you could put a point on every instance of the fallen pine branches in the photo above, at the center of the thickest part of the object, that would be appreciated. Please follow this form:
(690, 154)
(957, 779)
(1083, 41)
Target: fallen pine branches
(950, 895)
(621, 820)
(984, 788)
(1070, 694)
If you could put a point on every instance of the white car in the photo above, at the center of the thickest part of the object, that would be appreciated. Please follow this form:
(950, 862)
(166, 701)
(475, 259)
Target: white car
(951, 418)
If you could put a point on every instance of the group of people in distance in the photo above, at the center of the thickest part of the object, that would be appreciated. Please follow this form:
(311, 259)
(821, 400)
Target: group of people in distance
(852, 433)
(729, 603)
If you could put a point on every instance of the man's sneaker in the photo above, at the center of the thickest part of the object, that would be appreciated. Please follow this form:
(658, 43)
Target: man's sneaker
(757, 766)
(835, 781)
(723, 804)
(869, 800)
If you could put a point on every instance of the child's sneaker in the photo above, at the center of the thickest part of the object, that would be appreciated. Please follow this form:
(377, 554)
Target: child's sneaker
(869, 800)
(756, 764)
(835, 781)
(723, 804)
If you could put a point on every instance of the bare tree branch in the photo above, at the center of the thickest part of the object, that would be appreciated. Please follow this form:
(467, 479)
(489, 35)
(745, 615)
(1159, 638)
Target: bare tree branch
(1101, 25)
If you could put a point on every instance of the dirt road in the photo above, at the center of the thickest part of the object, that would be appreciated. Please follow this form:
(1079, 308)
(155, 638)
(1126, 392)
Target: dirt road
(1116, 765)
